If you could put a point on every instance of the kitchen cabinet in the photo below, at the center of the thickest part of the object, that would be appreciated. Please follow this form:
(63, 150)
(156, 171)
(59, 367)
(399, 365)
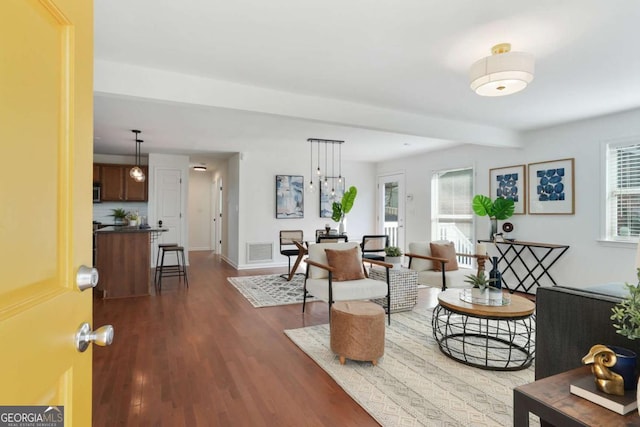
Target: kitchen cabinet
(96, 173)
(117, 186)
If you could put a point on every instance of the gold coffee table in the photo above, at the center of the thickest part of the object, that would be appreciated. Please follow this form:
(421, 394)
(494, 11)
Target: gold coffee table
(494, 337)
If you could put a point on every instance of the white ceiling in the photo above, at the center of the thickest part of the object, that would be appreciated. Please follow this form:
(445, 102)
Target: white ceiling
(408, 57)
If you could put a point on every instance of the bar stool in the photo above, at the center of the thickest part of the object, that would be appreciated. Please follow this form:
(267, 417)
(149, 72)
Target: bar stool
(161, 247)
(175, 270)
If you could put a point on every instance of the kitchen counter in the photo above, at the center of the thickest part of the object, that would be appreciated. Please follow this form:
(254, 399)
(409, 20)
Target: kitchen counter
(129, 229)
(123, 260)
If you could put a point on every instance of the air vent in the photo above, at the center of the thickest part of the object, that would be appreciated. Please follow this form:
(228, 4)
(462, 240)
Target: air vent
(259, 252)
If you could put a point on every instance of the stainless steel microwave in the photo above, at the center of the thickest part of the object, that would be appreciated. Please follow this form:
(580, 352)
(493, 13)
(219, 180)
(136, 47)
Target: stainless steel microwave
(96, 193)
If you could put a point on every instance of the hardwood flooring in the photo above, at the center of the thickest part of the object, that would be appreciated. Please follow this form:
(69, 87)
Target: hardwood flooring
(204, 356)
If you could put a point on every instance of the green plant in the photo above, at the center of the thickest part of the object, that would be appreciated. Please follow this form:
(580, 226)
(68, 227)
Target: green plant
(392, 251)
(134, 216)
(341, 208)
(500, 208)
(479, 280)
(118, 214)
(626, 314)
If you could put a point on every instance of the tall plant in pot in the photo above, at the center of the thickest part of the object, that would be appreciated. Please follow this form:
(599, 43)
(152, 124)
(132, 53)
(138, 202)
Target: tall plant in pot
(343, 207)
(498, 209)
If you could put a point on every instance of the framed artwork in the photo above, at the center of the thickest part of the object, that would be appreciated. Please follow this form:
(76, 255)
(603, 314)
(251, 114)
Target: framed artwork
(289, 196)
(326, 199)
(510, 182)
(552, 188)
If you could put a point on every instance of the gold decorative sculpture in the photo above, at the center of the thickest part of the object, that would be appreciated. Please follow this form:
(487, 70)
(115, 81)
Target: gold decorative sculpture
(601, 359)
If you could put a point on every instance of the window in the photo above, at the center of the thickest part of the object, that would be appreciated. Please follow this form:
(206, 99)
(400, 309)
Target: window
(451, 212)
(623, 190)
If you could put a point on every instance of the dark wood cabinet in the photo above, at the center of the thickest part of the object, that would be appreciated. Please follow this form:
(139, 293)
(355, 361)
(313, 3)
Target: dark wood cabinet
(96, 173)
(118, 186)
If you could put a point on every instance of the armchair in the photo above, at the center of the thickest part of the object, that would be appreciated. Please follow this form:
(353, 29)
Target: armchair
(422, 260)
(335, 272)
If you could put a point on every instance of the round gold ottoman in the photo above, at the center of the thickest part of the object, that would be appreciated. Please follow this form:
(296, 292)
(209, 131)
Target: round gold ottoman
(357, 330)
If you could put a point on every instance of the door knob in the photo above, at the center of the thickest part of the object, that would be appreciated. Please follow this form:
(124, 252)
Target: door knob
(102, 336)
(87, 277)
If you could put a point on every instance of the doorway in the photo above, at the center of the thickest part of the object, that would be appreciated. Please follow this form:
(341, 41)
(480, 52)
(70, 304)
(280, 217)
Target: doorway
(391, 208)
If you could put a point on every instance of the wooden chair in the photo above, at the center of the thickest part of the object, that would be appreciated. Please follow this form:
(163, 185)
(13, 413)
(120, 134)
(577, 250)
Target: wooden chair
(288, 247)
(373, 246)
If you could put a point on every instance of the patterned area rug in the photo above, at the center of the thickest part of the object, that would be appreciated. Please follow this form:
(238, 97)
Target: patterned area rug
(270, 290)
(415, 384)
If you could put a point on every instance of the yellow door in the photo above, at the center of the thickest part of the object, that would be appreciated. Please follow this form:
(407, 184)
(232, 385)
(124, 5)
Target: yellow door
(46, 132)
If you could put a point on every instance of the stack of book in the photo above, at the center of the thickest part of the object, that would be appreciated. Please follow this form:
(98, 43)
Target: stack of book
(586, 388)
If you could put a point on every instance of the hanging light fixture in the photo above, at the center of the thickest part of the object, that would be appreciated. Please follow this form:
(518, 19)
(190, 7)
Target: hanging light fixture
(324, 177)
(502, 73)
(136, 173)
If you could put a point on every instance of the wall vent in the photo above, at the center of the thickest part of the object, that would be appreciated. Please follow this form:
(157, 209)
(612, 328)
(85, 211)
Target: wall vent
(259, 252)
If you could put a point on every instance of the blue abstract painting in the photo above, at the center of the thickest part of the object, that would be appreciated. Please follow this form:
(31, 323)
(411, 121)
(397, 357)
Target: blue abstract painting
(550, 186)
(507, 186)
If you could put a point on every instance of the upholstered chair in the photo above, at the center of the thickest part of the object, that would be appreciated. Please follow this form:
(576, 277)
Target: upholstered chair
(437, 265)
(335, 272)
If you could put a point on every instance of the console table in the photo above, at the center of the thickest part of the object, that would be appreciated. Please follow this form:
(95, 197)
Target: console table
(513, 253)
(551, 400)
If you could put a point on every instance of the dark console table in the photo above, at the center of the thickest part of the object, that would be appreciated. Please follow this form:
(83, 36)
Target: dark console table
(513, 253)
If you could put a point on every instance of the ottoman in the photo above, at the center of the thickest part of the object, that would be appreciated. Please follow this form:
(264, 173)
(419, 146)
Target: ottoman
(357, 330)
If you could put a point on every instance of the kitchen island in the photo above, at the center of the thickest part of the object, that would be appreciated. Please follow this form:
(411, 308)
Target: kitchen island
(123, 260)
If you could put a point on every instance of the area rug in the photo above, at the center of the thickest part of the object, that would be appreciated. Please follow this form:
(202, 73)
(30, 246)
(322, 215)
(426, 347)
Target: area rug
(414, 384)
(270, 290)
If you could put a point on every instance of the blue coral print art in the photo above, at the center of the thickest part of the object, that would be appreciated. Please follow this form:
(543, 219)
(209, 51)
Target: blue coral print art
(507, 186)
(550, 185)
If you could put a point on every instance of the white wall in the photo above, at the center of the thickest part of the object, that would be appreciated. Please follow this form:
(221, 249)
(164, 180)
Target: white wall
(257, 220)
(589, 260)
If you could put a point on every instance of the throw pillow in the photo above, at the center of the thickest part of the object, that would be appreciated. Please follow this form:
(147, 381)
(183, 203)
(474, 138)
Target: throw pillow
(346, 264)
(446, 251)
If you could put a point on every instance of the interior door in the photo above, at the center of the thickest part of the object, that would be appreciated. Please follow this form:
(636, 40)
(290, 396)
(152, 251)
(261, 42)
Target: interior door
(46, 129)
(169, 206)
(391, 208)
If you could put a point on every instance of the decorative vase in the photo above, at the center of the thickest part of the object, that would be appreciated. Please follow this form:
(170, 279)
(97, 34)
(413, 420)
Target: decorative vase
(495, 274)
(625, 366)
(133, 222)
(342, 229)
(494, 228)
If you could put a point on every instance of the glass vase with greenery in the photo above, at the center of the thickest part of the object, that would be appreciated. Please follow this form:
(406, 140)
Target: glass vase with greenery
(498, 209)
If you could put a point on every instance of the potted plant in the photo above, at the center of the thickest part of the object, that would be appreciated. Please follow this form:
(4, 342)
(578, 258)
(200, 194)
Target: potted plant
(500, 208)
(133, 218)
(393, 255)
(480, 280)
(343, 207)
(626, 318)
(119, 215)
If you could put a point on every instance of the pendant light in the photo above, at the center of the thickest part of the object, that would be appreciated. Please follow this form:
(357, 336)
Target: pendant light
(136, 173)
(323, 175)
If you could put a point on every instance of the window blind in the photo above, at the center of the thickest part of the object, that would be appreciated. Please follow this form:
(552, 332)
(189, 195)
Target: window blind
(623, 191)
(451, 212)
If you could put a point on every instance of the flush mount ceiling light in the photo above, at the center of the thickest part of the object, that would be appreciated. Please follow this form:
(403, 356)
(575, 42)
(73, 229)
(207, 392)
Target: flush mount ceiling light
(502, 73)
(200, 168)
(136, 173)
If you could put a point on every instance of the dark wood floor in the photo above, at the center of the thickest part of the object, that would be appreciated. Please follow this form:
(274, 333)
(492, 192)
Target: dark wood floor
(204, 356)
